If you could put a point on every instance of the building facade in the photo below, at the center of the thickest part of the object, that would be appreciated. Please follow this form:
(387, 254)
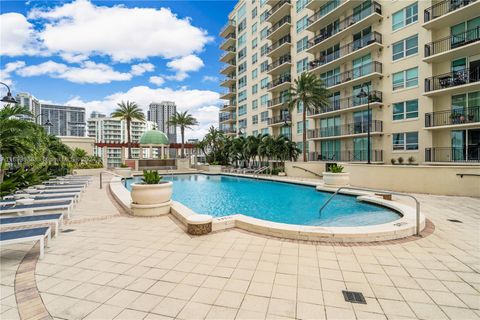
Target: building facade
(110, 136)
(160, 113)
(27, 100)
(406, 73)
(64, 120)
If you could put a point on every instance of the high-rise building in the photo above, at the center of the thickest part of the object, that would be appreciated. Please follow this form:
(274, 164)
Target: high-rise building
(96, 114)
(25, 99)
(414, 64)
(160, 113)
(111, 138)
(63, 120)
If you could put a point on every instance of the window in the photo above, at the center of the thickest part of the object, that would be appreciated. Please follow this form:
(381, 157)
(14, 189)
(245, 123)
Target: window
(264, 83)
(255, 119)
(300, 107)
(404, 17)
(264, 131)
(254, 73)
(254, 28)
(254, 12)
(242, 96)
(300, 127)
(242, 110)
(255, 132)
(254, 88)
(302, 24)
(242, 67)
(241, 12)
(242, 40)
(264, 50)
(242, 82)
(263, 33)
(254, 43)
(242, 25)
(254, 104)
(405, 79)
(301, 4)
(242, 54)
(263, 16)
(405, 110)
(242, 123)
(254, 58)
(405, 141)
(264, 116)
(264, 100)
(264, 66)
(405, 48)
(302, 65)
(302, 44)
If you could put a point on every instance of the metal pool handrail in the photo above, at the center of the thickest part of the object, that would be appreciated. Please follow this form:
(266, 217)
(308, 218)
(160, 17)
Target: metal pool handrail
(258, 171)
(101, 178)
(306, 170)
(417, 203)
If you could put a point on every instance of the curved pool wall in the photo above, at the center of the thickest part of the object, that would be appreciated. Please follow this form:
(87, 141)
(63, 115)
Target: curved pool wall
(404, 226)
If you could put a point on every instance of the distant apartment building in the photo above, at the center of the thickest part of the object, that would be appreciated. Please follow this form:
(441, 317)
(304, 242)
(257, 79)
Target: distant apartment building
(111, 138)
(416, 64)
(96, 114)
(160, 113)
(27, 100)
(64, 120)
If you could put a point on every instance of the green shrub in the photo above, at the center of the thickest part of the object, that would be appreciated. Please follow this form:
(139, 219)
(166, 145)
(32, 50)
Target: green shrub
(123, 165)
(393, 161)
(335, 168)
(400, 160)
(151, 177)
(411, 160)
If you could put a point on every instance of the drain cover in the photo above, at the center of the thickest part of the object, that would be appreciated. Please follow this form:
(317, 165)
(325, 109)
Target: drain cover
(354, 297)
(68, 230)
(455, 220)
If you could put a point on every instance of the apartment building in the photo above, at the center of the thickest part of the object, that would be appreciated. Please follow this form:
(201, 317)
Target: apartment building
(402, 75)
(111, 138)
(161, 113)
(62, 120)
(27, 100)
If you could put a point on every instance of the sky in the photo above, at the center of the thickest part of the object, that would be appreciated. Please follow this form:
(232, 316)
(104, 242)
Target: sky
(94, 54)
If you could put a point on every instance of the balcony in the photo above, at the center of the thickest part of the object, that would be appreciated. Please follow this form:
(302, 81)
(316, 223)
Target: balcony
(227, 95)
(280, 65)
(450, 12)
(228, 81)
(354, 76)
(453, 82)
(347, 156)
(229, 55)
(352, 24)
(229, 41)
(280, 47)
(228, 107)
(229, 68)
(281, 83)
(283, 120)
(229, 131)
(346, 130)
(452, 47)
(277, 102)
(467, 154)
(348, 104)
(280, 9)
(280, 29)
(453, 118)
(228, 28)
(227, 117)
(329, 12)
(347, 52)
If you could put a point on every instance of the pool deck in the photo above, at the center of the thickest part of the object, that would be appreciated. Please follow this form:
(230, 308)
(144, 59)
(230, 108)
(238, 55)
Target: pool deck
(113, 266)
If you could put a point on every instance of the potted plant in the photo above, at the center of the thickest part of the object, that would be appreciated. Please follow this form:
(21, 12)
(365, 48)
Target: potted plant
(411, 160)
(393, 161)
(152, 190)
(400, 160)
(124, 170)
(335, 177)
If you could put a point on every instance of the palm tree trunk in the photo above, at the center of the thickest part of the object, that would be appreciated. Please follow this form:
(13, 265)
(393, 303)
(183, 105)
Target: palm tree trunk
(129, 142)
(182, 133)
(304, 123)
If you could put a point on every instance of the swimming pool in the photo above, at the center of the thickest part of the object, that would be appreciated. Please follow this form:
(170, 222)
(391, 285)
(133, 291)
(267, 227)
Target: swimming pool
(220, 196)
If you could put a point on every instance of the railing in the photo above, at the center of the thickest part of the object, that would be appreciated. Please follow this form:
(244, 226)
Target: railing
(346, 129)
(230, 91)
(309, 171)
(452, 79)
(279, 119)
(444, 7)
(228, 79)
(347, 156)
(446, 154)
(417, 203)
(230, 23)
(277, 6)
(225, 106)
(229, 65)
(228, 130)
(366, 69)
(283, 59)
(228, 37)
(325, 9)
(277, 100)
(277, 25)
(262, 169)
(226, 117)
(374, 37)
(278, 81)
(452, 117)
(279, 43)
(452, 42)
(349, 102)
(328, 32)
(228, 51)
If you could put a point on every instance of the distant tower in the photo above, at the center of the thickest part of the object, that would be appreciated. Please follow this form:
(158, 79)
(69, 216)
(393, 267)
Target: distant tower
(160, 113)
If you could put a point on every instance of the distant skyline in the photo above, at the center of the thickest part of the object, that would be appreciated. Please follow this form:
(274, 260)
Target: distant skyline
(94, 54)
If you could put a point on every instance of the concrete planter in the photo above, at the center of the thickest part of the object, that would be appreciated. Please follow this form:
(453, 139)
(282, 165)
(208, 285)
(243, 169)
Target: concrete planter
(331, 179)
(124, 172)
(150, 200)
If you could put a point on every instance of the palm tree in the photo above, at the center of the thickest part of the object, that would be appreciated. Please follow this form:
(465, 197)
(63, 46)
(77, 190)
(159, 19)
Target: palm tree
(128, 111)
(80, 155)
(183, 120)
(309, 90)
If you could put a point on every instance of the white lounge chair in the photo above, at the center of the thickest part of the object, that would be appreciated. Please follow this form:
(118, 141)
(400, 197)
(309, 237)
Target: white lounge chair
(24, 235)
(39, 198)
(55, 218)
(60, 205)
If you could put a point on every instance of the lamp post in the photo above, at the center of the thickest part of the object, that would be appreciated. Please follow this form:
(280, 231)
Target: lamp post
(47, 123)
(360, 95)
(8, 98)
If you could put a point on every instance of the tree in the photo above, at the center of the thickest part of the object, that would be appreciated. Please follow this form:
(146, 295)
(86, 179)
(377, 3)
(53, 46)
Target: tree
(128, 111)
(310, 91)
(80, 155)
(183, 120)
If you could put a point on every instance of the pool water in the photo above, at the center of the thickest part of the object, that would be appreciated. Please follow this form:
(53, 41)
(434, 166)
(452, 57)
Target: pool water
(274, 201)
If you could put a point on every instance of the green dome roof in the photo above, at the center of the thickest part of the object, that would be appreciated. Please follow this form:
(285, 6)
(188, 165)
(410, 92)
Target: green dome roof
(154, 137)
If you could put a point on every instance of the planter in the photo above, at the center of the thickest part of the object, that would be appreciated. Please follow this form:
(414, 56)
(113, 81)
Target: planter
(336, 179)
(124, 172)
(148, 194)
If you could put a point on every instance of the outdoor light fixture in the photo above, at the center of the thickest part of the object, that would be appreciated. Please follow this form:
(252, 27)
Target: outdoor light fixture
(48, 123)
(8, 98)
(360, 95)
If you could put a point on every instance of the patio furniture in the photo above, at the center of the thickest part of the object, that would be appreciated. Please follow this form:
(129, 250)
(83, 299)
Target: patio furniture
(55, 218)
(26, 235)
(60, 205)
(38, 199)
(199, 224)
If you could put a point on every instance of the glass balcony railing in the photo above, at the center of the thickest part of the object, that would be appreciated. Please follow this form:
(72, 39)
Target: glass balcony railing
(346, 129)
(358, 72)
(347, 155)
(349, 102)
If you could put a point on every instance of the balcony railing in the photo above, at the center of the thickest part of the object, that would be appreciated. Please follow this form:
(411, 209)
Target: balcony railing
(349, 102)
(375, 7)
(461, 154)
(226, 117)
(277, 25)
(452, 117)
(277, 44)
(346, 49)
(230, 23)
(452, 79)
(228, 79)
(228, 37)
(228, 130)
(229, 91)
(325, 9)
(283, 59)
(444, 7)
(372, 67)
(279, 119)
(452, 42)
(277, 6)
(277, 100)
(346, 129)
(347, 155)
(278, 81)
(228, 51)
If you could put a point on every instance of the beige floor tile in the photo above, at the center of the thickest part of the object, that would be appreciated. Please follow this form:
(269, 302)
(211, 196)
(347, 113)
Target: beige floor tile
(154, 273)
(154, 316)
(229, 299)
(78, 310)
(284, 292)
(249, 315)
(206, 295)
(174, 276)
(104, 312)
(460, 313)
(123, 298)
(194, 279)
(310, 311)
(386, 292)
(121, 281)
(102, 294)
(446, 299)
(427, 311)
(128, 314)
(281, 307)
(215, 282)
(396, 308)
(431, 285)
(460, 287)
(221, 313)
(83, 290)
(339, 313)
(414, 295)
(237, 285)
(312, 296)
(141, 285)
(361, 315)
(161, 288)
(332, 285)
(255, 303)
(145, 302)
(194, 310)
(260, 289)
(242, 274)
(286, 279)
(183, 292)
(169, 307)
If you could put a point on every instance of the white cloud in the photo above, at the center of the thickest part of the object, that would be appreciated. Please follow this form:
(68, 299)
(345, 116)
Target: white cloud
(184, 65)
(80, 29)
(17, 36)
(141, 68)
(210, 79)
(9, 68)
(157, 80)
(202, 104)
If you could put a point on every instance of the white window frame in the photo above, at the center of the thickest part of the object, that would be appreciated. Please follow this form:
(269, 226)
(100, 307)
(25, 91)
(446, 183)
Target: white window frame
(404, 48)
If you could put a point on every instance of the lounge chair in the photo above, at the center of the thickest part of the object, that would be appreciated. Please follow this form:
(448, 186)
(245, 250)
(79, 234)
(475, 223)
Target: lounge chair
(40, 199)
(60, 205)
(55, 218)
(24, 235)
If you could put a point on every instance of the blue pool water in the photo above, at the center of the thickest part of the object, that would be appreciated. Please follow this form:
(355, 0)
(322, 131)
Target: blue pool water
(275, 201)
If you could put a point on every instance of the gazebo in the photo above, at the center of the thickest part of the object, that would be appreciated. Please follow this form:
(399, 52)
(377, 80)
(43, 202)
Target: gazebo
(154, 139)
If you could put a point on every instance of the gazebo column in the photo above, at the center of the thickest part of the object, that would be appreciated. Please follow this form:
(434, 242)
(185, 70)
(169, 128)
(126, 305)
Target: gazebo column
(141, 153)
(151, 152)
(163, 153)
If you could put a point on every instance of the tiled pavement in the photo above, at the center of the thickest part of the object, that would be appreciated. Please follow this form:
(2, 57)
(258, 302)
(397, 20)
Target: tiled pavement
(134, 268)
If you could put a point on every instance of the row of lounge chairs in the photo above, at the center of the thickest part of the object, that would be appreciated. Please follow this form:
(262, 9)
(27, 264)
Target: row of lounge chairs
(20, 220)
